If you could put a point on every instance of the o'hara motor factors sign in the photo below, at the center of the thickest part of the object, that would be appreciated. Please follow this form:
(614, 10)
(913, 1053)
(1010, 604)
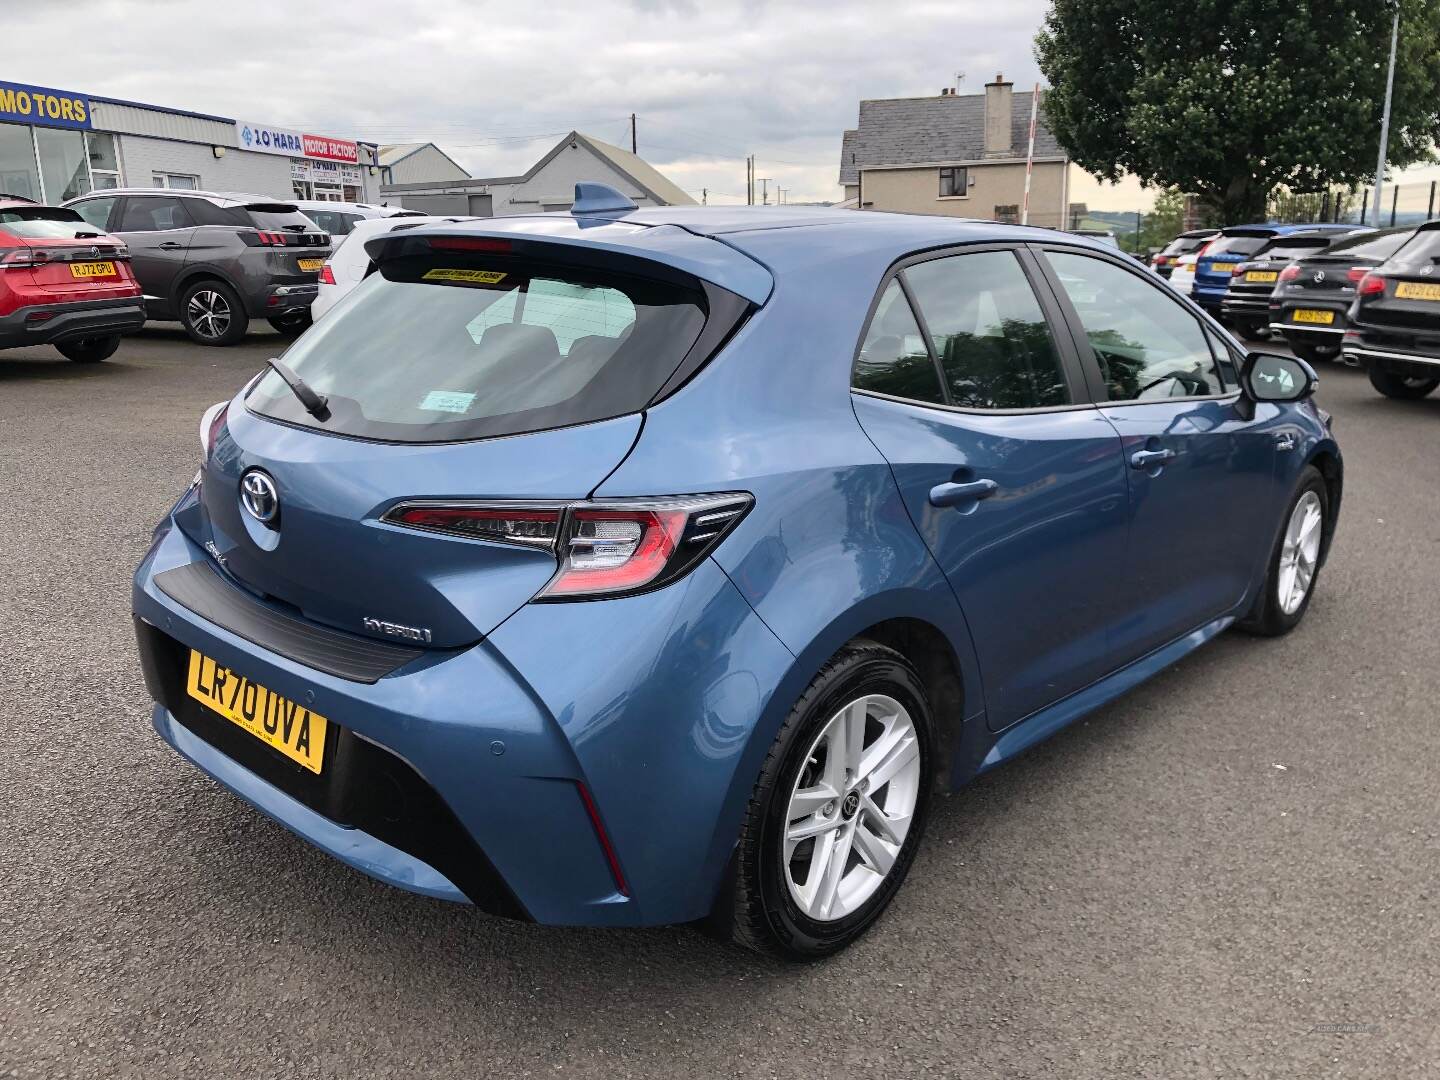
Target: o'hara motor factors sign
(21, 103)
(265, 139)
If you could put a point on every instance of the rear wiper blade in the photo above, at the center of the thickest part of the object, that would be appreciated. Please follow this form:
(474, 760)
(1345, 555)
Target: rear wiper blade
(317, 405)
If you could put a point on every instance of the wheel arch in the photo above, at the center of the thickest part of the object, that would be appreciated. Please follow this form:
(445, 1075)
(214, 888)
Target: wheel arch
(203, 272)
(1331, 467)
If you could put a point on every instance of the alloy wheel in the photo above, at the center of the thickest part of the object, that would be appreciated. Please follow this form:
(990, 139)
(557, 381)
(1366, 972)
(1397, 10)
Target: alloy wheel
(209, 313)
(851, 807)
(1299, 553)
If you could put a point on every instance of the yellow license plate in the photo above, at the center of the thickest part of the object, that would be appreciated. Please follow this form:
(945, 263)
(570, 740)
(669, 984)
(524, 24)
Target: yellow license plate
(292, 729)
(1417, 290)
(1223, 268)
(92, 269)
(1261, 275)
(311, 264)
(1324, 318)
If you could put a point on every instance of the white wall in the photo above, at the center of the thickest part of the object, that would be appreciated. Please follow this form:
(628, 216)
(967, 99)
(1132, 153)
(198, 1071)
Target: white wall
(554, 185)
(423, 166)
(238, 170)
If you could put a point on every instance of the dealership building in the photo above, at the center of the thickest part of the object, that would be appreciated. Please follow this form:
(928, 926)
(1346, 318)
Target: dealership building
(56, 144)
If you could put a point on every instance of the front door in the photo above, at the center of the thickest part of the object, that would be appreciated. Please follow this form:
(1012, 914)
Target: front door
(158, 230)
(1014, 481)
(1200, 465)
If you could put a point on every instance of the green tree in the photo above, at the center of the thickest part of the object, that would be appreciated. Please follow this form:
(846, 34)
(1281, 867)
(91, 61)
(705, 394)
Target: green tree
(1229, 99)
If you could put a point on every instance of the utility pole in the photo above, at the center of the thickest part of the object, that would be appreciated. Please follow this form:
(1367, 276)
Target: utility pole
(750, 180)
(765, 182)
(704, 196)
(1385, 116)
(632, 135)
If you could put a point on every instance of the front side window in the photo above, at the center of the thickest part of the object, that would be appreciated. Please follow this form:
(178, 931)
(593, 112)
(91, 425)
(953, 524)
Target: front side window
(893, 359)
(153, 213)
(953, 183)
(989, 332)
(1147, 345)
(435, 348)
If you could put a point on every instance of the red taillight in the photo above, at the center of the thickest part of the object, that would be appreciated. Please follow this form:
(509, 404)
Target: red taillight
(603, 549)
(593, 813)
(327, 276)
(531, 527)
(210, 424)
(1290, 273)
(614, 551)
(468, 243)
(1370, 285)
(1355, 273)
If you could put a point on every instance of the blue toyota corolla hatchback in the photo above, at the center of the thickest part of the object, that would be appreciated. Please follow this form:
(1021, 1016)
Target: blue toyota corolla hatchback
(625, 567)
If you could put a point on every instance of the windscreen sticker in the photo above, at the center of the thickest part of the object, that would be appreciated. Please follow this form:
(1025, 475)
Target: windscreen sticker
(474, 277)
(447, 401)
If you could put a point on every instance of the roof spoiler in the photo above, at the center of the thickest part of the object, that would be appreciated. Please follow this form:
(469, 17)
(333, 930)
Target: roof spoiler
(595, 198)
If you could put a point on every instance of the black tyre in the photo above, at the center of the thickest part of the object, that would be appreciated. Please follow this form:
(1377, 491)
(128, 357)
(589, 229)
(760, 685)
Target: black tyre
(1251, 331)
(1313, 354)
(832, 826)
(1404, 387)
(213, 314)
(292, 326)
(1295, 563)
(90, 350)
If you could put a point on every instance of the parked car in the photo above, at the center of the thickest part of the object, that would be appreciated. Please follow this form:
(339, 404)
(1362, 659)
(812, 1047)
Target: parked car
(1100, 236)
(215, 260)
(1394, 320)
(1246, 306)
(625, 567)
(338, 218)
(1232, 246)
(1310, 301)
(1187, 243)
(349, 262)
(63, 283)
(1182, 273)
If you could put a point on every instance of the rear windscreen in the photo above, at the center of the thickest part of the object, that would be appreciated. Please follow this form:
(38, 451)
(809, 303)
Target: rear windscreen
(45, 223)
(1292, 249)
(1423, 249)
(277, 217)
(1183, 245)
(1236, 245)
(1378, 246)
(441, 348)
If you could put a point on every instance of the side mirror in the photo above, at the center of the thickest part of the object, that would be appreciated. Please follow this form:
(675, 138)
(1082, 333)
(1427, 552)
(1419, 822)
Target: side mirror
(1272, 377)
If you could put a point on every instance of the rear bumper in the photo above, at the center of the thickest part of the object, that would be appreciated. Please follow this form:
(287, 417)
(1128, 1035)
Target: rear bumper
(1389, 359)
(277, 301)
(1209, 297)
(456, 775)
(44, 324)
(1246, 307)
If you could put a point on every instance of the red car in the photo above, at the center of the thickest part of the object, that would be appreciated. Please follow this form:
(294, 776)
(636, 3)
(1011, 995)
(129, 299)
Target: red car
(63, 282)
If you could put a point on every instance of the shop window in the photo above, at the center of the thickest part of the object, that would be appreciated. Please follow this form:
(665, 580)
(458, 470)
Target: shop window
(18, 175)
(64, 172)
(104, 165)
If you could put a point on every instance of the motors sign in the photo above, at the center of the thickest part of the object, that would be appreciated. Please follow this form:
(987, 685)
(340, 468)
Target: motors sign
(266, 139)
(22, 103)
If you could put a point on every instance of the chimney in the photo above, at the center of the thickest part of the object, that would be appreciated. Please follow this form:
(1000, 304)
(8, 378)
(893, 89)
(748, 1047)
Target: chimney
(998, 107)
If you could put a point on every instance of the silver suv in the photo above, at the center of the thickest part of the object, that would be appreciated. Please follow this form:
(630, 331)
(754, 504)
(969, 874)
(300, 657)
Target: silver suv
(215, 260)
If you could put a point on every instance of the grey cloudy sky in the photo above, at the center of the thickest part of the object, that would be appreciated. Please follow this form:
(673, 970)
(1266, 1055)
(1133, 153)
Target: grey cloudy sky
(496, 83)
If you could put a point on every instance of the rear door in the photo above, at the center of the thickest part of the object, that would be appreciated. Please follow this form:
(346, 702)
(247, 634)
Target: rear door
(1200, 472)
(159, 231)
(1011, 475)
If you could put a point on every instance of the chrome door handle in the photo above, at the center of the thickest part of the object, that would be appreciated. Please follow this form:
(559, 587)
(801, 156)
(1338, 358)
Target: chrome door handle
(1148, 459)
(955, 494)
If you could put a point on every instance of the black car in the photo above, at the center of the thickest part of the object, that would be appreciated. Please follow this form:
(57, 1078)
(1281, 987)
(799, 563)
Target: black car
(1394, 330)
(1246, 305)
(1312, 296)
(1187, 243)
(215, 260)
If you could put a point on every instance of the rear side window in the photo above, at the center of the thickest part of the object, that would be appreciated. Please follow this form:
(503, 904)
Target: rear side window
(893, 359)
(989, 332)
(443, 348)
(154, 213)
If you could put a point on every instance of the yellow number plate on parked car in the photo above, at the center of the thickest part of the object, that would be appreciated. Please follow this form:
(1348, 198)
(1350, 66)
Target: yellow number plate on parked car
(292, 729)
(1261, 275)
(1325, 318)
(1417, 290)
(92, 269)
(1223, 268)
(311, 264)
